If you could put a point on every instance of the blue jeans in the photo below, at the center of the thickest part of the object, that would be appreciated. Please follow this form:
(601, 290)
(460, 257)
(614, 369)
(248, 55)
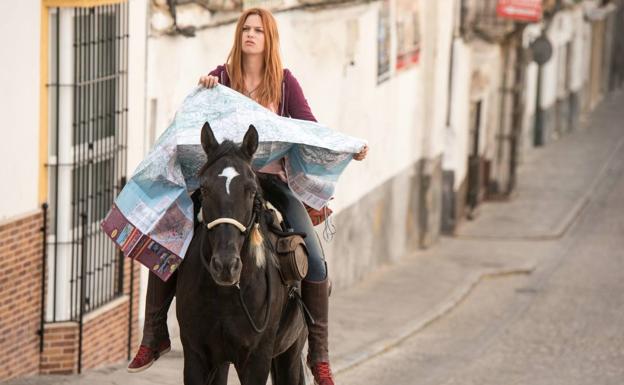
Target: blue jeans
(278, 193)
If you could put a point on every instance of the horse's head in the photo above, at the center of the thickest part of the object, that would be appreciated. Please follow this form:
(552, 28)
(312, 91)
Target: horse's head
(230, 198)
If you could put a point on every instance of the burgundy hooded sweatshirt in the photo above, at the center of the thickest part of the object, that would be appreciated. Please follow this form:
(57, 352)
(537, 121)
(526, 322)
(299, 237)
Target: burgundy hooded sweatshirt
(292, 105)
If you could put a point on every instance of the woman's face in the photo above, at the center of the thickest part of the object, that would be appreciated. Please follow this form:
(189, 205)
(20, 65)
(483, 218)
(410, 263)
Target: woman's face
(253, 36)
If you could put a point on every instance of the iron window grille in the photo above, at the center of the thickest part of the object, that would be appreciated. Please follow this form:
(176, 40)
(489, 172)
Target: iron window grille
(88, 113)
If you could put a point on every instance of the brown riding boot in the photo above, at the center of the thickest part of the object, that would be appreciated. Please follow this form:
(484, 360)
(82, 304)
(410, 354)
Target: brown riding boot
(155, 342)
(316, 298)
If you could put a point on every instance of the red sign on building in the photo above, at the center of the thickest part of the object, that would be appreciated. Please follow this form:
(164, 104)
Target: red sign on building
(522, 10)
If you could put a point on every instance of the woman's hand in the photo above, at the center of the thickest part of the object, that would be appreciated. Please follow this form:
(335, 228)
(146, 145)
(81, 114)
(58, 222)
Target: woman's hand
(362, 154)
(208, 81)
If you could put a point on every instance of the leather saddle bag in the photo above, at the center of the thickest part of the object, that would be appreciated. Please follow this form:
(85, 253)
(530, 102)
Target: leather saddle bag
(293, 258)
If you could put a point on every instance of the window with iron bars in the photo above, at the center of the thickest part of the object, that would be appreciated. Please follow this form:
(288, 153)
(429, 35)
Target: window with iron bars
(87, 120)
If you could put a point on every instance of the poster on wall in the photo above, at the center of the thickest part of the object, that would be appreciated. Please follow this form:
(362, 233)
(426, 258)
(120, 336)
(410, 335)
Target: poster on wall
(383, 42)
(408, 34)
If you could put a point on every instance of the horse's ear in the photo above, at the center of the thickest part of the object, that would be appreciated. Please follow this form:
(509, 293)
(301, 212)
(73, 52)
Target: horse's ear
(208, 140)
(250, 142)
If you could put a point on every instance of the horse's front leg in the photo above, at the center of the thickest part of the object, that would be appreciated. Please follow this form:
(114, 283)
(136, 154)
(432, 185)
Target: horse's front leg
(221, 375)
(196, 370)
(255, 370)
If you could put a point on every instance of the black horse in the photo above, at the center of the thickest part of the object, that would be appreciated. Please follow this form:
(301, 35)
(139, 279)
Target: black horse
(231, 304)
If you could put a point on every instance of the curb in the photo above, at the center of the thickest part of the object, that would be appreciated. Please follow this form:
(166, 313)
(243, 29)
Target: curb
(350, 361)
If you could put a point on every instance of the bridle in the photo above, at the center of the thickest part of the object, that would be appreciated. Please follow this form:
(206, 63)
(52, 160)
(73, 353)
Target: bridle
(246, 231)
(231, 221)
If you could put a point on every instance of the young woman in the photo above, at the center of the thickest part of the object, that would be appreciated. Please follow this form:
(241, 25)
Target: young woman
(254, 68)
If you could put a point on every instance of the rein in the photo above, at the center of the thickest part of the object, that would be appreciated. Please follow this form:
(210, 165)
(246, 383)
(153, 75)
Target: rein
(246, 232)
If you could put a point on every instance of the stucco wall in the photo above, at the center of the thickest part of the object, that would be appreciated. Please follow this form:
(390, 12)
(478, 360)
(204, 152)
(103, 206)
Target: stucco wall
(19, 107)
(436, 61)
(485, 87)
(559, 33)
(580, 50)
(20, 100)
(456, 136)
(333, 53)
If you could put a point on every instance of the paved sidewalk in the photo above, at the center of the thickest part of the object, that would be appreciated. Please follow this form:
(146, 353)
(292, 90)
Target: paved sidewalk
(399, 300)
(555, 182)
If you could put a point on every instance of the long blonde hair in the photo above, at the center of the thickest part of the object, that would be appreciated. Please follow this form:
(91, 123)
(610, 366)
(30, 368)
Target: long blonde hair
(270, 90)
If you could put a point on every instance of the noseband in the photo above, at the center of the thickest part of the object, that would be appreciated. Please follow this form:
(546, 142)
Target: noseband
(230, 221)
(245, 230)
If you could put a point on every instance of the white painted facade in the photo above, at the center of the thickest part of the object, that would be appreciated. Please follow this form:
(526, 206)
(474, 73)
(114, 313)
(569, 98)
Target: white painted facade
(436, 63)
(571, 47)
(457, 132)
(570, 35)
(20, 100)
(319, 48)
(581, 46)
(485, 84)
(19, 107)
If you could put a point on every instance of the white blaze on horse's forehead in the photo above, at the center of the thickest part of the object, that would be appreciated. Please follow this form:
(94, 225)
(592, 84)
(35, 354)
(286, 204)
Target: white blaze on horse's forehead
(228, 173)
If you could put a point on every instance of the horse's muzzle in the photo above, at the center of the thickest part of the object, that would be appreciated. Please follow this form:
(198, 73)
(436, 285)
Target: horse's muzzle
(226, 270)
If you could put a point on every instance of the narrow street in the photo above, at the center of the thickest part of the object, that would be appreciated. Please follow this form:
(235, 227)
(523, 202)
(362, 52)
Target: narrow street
(562, 324)
(470, 154)
(503, 302)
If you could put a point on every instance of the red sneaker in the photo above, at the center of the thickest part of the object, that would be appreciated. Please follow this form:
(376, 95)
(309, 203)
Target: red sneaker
(322, 374)
(146, 356)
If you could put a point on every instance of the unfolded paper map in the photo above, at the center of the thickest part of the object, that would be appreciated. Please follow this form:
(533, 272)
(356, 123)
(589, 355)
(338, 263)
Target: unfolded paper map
(152, 218)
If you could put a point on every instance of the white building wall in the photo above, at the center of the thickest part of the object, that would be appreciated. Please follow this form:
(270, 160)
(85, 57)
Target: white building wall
(316, 44)
(137, 91)
(485, 84)
(456, 137)
(586, 34)
(435, 98)
(580, 50)
(550, 75)
(137, 82)
(531, 89)
(318, 47)
(560, 33)
(20, 100)
(531, 33)
(19, 107)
